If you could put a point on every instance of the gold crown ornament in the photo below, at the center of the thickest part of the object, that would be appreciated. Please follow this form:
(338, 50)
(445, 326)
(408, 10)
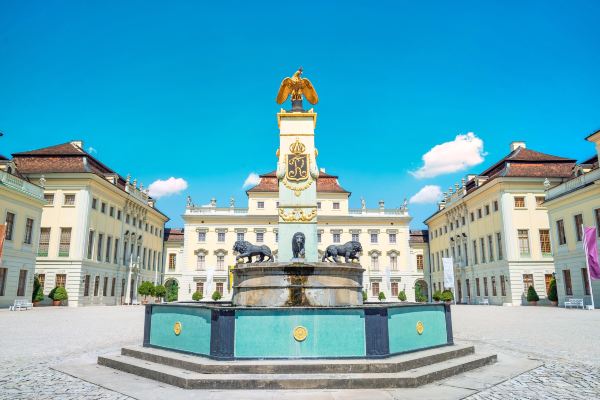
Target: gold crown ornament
(297, 147)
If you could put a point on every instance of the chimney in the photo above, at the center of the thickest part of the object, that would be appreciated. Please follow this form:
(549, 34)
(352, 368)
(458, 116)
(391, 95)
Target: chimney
(77, 143)
(516, 145)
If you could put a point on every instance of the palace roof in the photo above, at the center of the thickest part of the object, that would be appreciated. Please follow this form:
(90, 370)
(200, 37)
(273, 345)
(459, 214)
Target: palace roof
(326, 183)
(419, 236)
(174, 235)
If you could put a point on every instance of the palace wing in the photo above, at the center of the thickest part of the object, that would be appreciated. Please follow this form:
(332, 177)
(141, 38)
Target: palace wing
(309, 92)
(284, 90)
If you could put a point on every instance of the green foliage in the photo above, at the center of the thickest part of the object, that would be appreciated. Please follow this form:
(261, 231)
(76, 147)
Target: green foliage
(172, 290)
(216, 296)
(552, 292)
(197, 296)
(532, 294)
(38, 290)
(58, 294)
(160, 291)
(437, 295)
(381, 296)
(402, 295)
(365, 296)
(447, 295)
(146, 289)
(419, 296)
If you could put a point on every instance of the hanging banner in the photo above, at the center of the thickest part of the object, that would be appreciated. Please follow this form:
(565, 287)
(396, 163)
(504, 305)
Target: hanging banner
(448, 264)
(590, 247)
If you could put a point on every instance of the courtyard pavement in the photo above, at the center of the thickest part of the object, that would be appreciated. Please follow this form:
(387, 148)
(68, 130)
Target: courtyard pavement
(567, 342)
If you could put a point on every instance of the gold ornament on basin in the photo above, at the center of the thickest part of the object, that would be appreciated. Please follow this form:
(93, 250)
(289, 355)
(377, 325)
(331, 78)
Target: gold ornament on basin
(177, 328)
(300, 333)
(420, 328)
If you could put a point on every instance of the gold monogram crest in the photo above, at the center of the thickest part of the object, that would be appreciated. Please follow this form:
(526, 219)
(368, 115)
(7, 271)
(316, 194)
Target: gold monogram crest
(297, 163)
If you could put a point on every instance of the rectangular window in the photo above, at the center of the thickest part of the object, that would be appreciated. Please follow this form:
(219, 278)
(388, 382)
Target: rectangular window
(394, 262)
(42, 280)
(116, 253)
(355, 237)
(318, 237)
(103, 208)
(99, 250)
(491, 247)
(336, 206)
(200, 287)
(202, 236)
(567, 279)
(523, 237)
(502, 285)
(220, 287)
(90, 249)
(560, 232)
(336, 238)
(172, 260)
(394, 289)
(494, 293)
(485, 286)
(597, 217)
(482, 243)
(3, 278)
(375, 289)
(65, 242)
(479, 216)
(49, 197)
(499, 244)
(495, 205)
(527, 282)
(373, 238)
(86, 286)
(475, 260)
(318, 205)
(10, 225)
(545, 242)
(539, 201)
(28, 231)
(112, 212)
(127, 217)
(487, 209)
(94, 203)
(221, 236)
(240, 236)
(277, 237)
(61, 280)
(547, 279)
(586, 281)
(200, 261)
(112, 287)
(519, 202)
(472, 217)
(392, 238)
(44, 242)
(220, 261)
(105, 286)
(464, 221)
(419, 261)
(22, 282)
(374, 262)
(108, 249)
(96, 285)
(119, 215)
(69, 200)
(578, 226)
(260, 237)
(261, 204)
(477, 287)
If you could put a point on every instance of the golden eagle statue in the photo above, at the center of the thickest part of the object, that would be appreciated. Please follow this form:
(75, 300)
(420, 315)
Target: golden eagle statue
(297, 86)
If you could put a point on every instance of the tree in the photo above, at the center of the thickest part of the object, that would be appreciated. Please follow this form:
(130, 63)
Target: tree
(402, 295)
(38, 290)
(172, 290)
(532, 294)
(381, 296)
(146, 289)
(419, 296)
(365, 296)
(447, 295)
(552, 292)
(216, 296)
(437, 295)
(59, 293)
(160, 291)
(197, 296)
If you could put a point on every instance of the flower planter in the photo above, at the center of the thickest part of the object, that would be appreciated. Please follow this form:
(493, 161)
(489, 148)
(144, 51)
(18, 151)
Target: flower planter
(36, 303)
(145, 301)
(554, 303)
(56, 302)
(533, 303)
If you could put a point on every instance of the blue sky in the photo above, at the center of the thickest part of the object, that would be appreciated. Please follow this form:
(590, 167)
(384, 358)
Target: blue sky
(186, 89)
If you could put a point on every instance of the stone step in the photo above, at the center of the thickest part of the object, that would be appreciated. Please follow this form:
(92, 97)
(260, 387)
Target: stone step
(194, 380)
(208, 366)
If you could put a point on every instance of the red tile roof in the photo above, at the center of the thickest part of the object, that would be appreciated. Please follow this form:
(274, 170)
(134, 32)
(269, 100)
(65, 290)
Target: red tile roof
(419, 236)
(173, 235)
(326, 183)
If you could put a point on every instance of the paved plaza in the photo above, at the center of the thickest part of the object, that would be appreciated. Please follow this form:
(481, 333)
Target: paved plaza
(565, 341)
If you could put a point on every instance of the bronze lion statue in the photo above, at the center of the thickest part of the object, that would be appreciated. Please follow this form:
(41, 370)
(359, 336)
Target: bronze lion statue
(348, 250)
(298, 241)
(247, 249)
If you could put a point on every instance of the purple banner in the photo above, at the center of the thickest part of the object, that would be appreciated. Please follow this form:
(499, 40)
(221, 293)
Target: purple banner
(591, 251)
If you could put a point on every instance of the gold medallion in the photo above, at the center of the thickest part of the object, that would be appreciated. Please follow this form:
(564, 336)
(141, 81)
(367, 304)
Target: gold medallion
(420, 328)
(177, 328)
(300, 333)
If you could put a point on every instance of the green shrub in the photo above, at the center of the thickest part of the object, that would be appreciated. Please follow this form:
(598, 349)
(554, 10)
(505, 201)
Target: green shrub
(38, 290)
(58, 294)
(197, 296)
(419, 296)
(160, 291)
(437, 295)
(552, 292)
(381, 296)
(402, 295)
(532, 294)
(365, 296)
(216, 296)
(447, 295)
(172, 290)
(146, 289)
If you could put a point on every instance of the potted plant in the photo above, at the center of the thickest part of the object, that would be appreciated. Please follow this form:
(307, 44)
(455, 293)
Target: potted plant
(160, 291)
(381, 296)
(532, 296)
(365, 296)
(447, 296)
(38, 292)
(58, 294)
(552, 292)
(437, 295)
(146, 289)
(197, 296)
(216, 296)
(402, 295)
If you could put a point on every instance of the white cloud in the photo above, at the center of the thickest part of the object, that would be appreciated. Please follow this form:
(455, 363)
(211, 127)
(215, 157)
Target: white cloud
(252, 180)
(463, 152)
(169, 187)
(428, 194)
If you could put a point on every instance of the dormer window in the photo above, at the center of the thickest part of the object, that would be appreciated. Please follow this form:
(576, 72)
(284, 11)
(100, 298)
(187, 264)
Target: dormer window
(260, 204)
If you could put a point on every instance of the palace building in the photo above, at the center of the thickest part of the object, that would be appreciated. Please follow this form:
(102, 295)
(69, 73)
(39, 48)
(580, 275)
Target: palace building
(200, 256)
(21, 205)
(571, 205)
(100, 234)
(494, 226)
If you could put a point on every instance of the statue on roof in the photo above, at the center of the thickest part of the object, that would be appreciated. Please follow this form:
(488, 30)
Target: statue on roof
(297, 87)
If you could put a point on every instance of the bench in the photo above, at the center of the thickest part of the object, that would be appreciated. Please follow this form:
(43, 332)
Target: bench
(574, 303)
(21, 304)
(484, 301)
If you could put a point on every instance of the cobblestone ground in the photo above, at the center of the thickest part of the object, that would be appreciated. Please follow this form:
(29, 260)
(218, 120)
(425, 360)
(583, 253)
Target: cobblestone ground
(566, 341)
